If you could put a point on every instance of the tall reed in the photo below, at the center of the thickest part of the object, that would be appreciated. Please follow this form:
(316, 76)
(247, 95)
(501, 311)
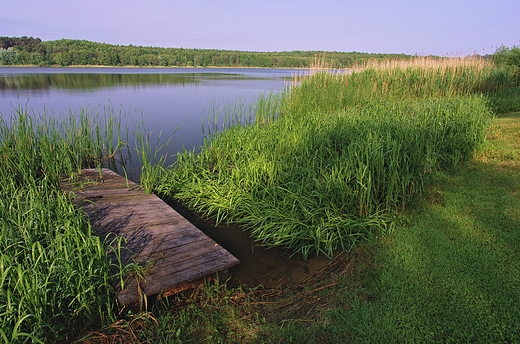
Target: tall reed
(54, 273)
(151, 157)
(420, 78)
(343, 155)
(242, 113)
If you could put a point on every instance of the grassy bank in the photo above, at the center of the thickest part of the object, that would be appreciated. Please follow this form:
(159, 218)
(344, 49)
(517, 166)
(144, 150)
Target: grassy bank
(447, 273)
(340, 155)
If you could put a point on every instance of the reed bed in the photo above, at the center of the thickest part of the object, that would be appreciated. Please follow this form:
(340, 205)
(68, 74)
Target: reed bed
(420, 78)
(342, 155)
(54, 273)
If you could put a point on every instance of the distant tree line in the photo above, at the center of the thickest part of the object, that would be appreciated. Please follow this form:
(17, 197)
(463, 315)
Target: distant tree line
(68, 52)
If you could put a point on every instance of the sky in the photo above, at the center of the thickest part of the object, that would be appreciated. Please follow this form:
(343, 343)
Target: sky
(423, 27)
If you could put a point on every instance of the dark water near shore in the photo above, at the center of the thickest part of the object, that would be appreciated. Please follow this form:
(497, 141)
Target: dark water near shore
(165, 100)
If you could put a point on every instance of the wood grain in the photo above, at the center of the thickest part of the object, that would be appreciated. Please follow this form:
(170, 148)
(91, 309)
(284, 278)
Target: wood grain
(176, 251)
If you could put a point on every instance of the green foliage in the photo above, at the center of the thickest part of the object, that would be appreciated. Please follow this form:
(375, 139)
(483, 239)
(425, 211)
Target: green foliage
(447, 274)
(342, 157)
(55, 278)
(422, 78)
(510, 58)
(8, 56)
(24, 43)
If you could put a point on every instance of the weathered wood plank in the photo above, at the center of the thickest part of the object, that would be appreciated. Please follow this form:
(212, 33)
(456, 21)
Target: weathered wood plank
(179, 253)
(156, 278)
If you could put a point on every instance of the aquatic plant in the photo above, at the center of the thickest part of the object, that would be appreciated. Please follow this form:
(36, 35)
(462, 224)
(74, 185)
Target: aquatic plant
(151, 157)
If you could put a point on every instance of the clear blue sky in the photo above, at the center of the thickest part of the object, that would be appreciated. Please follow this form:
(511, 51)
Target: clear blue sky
(439, 27)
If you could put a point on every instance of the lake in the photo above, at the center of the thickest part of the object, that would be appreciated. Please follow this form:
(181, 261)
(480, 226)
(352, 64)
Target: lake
(165, 99)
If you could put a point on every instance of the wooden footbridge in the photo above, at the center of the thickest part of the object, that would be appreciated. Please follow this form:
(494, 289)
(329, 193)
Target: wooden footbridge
(171, 252)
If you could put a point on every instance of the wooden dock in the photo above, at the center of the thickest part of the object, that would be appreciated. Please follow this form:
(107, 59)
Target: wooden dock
(173, 252)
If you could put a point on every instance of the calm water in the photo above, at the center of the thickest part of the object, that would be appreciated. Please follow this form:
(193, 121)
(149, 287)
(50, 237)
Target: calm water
(165, 99)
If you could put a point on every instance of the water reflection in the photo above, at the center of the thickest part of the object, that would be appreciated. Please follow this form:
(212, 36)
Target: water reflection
(23, 79)
(81, 81)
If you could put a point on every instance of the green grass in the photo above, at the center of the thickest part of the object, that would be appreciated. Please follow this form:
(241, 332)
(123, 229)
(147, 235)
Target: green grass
(451, 273)
(340, 155)
(420, 78)
(151, 157)
(55, 278)
(319, 174)
(447, 271)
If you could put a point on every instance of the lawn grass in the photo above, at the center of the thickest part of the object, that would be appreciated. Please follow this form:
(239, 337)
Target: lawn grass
(451, 273)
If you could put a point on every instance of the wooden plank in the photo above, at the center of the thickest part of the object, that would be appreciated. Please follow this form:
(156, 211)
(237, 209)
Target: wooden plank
(155, 233)
(155, 279)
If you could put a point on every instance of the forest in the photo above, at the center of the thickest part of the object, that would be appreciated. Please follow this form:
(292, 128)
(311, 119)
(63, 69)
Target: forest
(68, 52)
